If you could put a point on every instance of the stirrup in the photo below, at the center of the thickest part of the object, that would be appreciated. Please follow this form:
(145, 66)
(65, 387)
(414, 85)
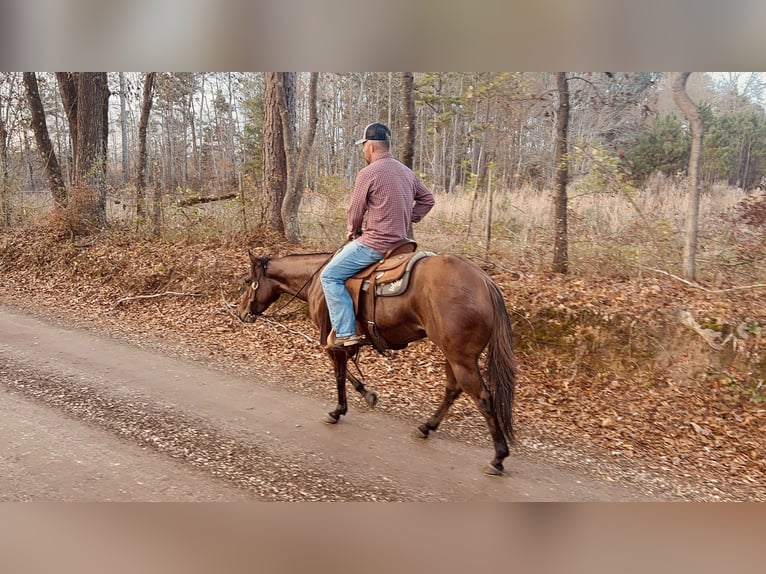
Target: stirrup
(335, 342)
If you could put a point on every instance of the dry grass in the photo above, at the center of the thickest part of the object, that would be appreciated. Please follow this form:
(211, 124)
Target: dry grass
(610, 234)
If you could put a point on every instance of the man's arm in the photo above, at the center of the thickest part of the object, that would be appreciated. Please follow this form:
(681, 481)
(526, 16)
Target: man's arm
(424, 201)
(357, 206)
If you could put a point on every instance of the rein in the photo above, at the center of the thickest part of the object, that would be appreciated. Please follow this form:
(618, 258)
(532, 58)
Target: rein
(264, 264)
(270, 318)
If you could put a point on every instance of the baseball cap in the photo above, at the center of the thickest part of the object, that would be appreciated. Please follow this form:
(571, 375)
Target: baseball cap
(375, 132)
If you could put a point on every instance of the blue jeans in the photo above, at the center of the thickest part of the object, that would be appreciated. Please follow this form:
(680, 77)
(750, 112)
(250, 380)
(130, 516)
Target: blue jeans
(352, 258)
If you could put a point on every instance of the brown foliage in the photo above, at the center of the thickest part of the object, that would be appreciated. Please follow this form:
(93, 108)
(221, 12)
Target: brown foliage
(609, 370)
(80, 217)
(752, 211)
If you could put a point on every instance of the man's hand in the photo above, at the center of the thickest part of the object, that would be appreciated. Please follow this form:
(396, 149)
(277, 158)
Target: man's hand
(351, 235)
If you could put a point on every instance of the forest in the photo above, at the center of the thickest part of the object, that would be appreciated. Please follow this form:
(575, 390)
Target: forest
(629, 240)
(488, 139)
(205, 131)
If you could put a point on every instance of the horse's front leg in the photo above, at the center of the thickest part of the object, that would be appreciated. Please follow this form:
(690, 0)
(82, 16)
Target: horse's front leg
(339, 362)
(370, 397)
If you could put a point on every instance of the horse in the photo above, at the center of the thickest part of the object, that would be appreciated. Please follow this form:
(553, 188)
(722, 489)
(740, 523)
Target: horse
(449, 300)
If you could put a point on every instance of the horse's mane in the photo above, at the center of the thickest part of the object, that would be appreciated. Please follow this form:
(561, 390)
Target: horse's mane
(310, 262)
(305, 255)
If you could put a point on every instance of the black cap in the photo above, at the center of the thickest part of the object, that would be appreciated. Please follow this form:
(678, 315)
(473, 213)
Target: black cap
(376, 132)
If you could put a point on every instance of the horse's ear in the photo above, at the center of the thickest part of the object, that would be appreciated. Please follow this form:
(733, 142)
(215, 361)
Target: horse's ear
(253, 258)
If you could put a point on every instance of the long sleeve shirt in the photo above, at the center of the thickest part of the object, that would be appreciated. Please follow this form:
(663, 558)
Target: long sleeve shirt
(391, 196)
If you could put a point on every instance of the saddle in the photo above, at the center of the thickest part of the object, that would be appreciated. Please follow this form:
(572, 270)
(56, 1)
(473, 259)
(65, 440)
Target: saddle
(388, 277)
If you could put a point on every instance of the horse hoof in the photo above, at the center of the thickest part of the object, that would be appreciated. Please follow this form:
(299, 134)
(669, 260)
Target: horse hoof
(422, 432)
(372, 398)
(331, 419)
(492, 470)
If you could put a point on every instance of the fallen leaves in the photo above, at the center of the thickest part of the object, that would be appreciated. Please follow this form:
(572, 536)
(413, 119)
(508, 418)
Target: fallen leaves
(604, 365)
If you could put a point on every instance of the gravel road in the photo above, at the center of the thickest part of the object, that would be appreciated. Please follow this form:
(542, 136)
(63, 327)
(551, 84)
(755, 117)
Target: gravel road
(88, 418)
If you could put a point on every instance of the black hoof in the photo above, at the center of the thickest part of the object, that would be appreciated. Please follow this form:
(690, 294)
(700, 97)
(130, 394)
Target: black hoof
(492, 470)
(423, 431)
(331, 418)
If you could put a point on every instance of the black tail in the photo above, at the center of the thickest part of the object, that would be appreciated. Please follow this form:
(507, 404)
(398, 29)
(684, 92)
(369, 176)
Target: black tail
(501, 365)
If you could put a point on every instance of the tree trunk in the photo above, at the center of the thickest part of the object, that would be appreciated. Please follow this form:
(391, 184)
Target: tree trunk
(146, 107)
(196, 154)
(68, 90)
(286, 86)
(5, 183)
(408, 127)
(692, 115)
(490, 200)
(124, 130)
(744, 164)
(90, 146)
(43, 140)
(157, 202)
(561, 165)
(297, 174)
(233, 172)
(274, 157)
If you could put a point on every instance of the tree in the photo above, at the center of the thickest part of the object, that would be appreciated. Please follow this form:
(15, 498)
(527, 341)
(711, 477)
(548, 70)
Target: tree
(408, 125)
(663, 147)
(9, 83)
(89, 175)
(274, 154)
(284, 168)
(734, 147)
(86, 102)
(4, 177)
(124, 129)
(44, 146)
(296, 168)
(408, 128)
(561, 167)
(146, 107)
(692, 115)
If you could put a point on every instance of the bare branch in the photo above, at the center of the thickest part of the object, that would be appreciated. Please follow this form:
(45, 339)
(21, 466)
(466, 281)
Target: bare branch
(197, 200)
(702, 287)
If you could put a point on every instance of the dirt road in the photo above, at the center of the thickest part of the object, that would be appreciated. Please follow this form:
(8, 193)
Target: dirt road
(88, 418)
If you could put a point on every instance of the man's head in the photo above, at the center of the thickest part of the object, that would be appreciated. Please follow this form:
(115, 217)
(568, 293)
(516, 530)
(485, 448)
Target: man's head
(377, 136)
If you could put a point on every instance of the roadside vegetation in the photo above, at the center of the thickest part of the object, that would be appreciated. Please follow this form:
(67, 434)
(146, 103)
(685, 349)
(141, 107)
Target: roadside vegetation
(620, 356)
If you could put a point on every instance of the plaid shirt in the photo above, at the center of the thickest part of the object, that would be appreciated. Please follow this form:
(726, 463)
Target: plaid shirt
(391, 195)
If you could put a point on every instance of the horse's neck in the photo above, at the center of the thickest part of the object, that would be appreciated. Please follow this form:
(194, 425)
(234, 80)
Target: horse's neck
(295, 272)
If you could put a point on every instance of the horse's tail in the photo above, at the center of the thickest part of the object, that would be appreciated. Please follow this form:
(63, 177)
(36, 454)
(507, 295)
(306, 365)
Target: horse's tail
(501, 365)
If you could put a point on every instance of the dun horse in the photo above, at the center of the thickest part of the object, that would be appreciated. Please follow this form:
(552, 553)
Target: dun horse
(448, 300)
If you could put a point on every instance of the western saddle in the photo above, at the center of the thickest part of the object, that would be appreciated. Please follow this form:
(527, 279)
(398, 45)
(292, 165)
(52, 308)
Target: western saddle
(387, 278)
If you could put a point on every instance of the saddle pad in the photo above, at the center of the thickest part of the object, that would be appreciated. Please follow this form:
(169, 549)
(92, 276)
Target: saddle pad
(390, 283)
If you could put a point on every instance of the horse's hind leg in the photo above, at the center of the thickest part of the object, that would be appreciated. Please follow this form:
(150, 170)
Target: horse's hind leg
(470, 381)
(451, 392)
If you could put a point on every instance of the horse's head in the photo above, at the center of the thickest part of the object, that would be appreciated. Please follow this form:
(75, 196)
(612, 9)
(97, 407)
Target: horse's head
(259, 291)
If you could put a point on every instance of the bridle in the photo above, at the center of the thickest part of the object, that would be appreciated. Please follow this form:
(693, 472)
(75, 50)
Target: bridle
(264, 261)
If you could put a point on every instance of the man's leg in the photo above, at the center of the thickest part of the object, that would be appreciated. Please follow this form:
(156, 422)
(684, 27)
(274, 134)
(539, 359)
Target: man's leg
(352, 258)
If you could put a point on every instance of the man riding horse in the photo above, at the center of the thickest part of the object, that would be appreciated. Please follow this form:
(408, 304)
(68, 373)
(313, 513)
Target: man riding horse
(392, 197)
(465, 318)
